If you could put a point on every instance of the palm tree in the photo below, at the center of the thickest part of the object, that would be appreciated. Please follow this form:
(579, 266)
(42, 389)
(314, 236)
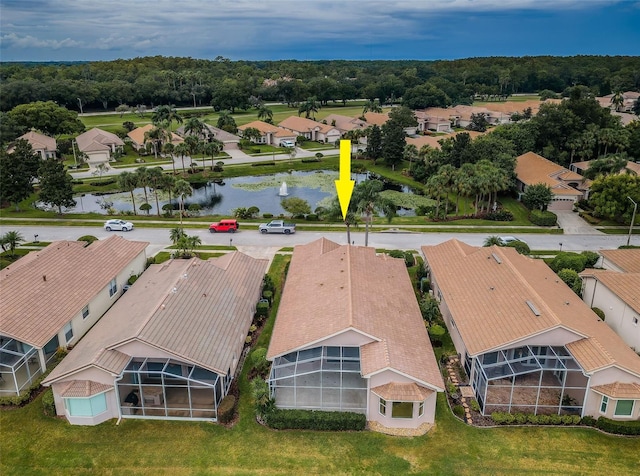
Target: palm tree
(195, 127)
(182, 189)
(465, 180)
(212, 149)
(143, 180)
(367, 200)
(169, 148)
(129, 181)
(175, 234)
(309, 107)
(12, 239)
(410, 153)
(164, 116)
(226, 122)
(492, 240)
(168, 183)
(194, 145)
(372, 105)
(182, 149)
(265, 114)
(252, 134)
(155, 180)
(156, 136)
(617, 100)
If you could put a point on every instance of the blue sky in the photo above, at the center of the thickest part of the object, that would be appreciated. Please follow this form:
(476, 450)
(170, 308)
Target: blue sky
(68, 30)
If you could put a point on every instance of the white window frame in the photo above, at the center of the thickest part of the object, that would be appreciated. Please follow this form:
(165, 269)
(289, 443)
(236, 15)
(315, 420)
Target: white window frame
(421, 409)
(85, 312)
(382, 405)
(113, 287)
(68, 328)
(604, 403)
(633, 405)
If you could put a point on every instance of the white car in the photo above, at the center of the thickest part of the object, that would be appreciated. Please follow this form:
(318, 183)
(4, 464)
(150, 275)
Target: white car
(505, 240)
(118, 225)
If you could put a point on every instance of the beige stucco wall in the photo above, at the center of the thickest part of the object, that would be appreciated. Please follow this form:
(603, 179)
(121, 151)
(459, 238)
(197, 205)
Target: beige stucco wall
(349, 338)
(95, 158)
(618, 315)
(603, 377)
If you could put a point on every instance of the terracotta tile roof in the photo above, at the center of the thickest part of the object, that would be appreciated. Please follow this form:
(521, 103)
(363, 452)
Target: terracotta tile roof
(625, 285)
(619, 390)
(199, 311)
(533, 169)
(302, 125)
(377, 118)
(137, 135)
(434, 141)
(331, 289)
(39, 141)
(402, 392)
(219, 134)
(263, 127)
(633, 167)
(345, 123)
(627, 260)
(42, 291)
(487, 289)
(97, 139)
(83, 388)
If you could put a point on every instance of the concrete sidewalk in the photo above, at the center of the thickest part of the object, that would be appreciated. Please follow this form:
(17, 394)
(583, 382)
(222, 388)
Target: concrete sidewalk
(572, 224)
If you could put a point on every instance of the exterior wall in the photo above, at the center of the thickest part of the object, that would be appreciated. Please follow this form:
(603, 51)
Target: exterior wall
(346, 339)
(331, 136)
(593, 399)
(559, 336)
(608, 264)
(140, 349)
(618, 315)
(94, 158)
(561, 202)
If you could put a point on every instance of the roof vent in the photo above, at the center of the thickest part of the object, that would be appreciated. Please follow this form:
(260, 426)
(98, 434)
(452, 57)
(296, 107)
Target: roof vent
(497, 258)
(44, 277)
(533, 308)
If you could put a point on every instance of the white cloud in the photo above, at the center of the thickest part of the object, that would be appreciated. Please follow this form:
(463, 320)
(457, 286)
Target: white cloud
(29, 41)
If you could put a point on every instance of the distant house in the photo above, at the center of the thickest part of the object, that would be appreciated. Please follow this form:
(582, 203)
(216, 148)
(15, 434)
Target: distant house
(629, 99)
(169, 348)
(527, 342)
(312, 130)
(138, 139)
(98, 145)
(616, 292)
(51, 298)
(567, 187)
(344, 123)
(229, 140)
(269, 134)
(582, 167)
(40, 143)
(349, 336)
(431, 121)
(434, 141)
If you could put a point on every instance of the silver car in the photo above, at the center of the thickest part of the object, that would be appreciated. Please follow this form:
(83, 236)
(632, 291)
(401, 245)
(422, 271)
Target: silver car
(118, 225)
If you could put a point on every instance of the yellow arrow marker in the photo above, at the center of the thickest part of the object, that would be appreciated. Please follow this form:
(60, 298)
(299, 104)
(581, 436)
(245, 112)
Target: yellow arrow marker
(344, 186)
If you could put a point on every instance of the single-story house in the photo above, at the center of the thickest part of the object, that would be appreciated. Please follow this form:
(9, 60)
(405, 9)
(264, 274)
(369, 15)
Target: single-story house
(567, 187)
(380, 118)
(615, 290)
(527, 342)
(312, 130)
(344, 123)
(629, 99)
(138, 139)
(433, 122)
(168, 349)
(434, 141)
(40, 143)
(98, 145)
(50, 298)
(349, 336)
(269, 134)
(582, 167)
(229, 140)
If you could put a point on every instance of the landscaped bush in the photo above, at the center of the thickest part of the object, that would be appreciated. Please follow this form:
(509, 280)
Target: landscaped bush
(520, 246)
(259, 361)
(541, 218)
(102, 183)
(409, 259)
(315, 420)
(267, 215)
(268, 295)
(259, 164)
(619, 427)
(48, 403)
(226, 409)
(262, 309)
(502, 215)
(571, 279)
(436, 333)
(568, 260)
(458, 410)
(503, 418)
(599, 312)
(88, 239)
(311, 217)
(132, 279)
(590, 258)
(310, 159)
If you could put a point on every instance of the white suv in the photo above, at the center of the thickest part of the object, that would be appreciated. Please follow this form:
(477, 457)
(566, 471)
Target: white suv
(118, 225)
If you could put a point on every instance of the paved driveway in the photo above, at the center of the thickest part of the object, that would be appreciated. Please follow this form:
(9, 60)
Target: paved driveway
(572, 224)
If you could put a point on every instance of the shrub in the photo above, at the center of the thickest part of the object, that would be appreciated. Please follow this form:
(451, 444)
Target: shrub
(267, 215)
(475, 406)
(571, 279)
(541, 218)
(102, 183)
(132, 279)
(315, 420)
(599, 312)
(619, 427)
(436, 332)
(48, 403)
(268, 284)
(409, 259)
(311, 217)
(520, 246)
(261, 396)
(259, 361)
(310, 159)
(253, 211)
(520, 418)
(568, 260)
(268, 295)
(502, 418)
(502, 215)
(145, 207)
(88, 238)
(588, 421)
(458, 410)
(262, 309)
(260, 164)
(226, 409)
(590, 258)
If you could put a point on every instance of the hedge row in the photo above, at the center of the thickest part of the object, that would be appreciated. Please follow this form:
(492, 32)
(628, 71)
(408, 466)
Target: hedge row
(260, 164)
(619, 427)
(503, 418)
(226, 409)
(541, 218)
(315, 420)
(48, 403)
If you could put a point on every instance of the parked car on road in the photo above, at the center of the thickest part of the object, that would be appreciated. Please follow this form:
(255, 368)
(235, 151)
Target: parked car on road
(277, 226)
(118, 225)
(224, 226)
(505, 240)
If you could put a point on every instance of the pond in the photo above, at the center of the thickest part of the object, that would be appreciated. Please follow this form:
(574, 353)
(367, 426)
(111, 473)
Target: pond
(264, 192)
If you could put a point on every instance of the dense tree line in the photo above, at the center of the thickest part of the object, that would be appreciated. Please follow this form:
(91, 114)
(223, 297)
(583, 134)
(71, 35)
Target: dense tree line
(234, 85)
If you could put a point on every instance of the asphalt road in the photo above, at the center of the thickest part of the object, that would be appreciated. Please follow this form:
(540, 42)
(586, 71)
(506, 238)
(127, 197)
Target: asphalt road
(159, 238)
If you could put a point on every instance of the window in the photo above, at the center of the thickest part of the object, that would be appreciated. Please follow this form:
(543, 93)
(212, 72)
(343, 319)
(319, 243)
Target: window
(86, 407)
(635, 321)
(383, 407)
(68, 332)
(85, 311)
(624, 408)
(603, 405)
(421, 409)
(402, 410)
(113, 287)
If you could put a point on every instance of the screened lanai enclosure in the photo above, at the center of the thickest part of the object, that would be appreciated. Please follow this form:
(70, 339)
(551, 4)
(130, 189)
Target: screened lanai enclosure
(168, 389)
(528, 379)
(20, 364)
(321, 378)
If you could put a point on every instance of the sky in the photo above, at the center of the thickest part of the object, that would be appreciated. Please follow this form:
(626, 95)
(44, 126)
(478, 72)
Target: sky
(91, 30)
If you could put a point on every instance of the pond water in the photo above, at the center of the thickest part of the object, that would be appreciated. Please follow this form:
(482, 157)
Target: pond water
(317, 188)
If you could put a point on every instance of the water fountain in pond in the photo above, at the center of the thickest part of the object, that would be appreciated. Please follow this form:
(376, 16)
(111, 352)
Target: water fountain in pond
(283, 190)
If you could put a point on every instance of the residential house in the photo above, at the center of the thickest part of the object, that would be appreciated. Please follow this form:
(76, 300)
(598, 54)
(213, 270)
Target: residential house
(40, 143)
(50, 298)
(380, 118)
(582, 167)
(312, 130)
(528, 343)
(629, 99)
(98, 145)
(615, 290)
(168, 349)
(344, 123)
(138, 137)
(349, 336)
(433, 122)
(269, 134)
(567, 187)
(229, 140)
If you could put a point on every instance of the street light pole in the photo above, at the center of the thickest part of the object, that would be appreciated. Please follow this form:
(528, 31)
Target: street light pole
(633, 218)
(80, 104)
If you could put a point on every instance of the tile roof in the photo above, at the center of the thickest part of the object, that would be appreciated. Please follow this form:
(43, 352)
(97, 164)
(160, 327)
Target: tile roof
(627, 260)
(619, 390)
(345, 123)
(137, 135)
(43, 290)
(39, 141)
(486, 290)
(97, 139)
(331, 289)
(199, 311)
(434, 141)
(219, 134)
(263, 127)
(83, 388)
(532, 169)
(625, 285)
(376, 118)
(302, 124)
(402, 392)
